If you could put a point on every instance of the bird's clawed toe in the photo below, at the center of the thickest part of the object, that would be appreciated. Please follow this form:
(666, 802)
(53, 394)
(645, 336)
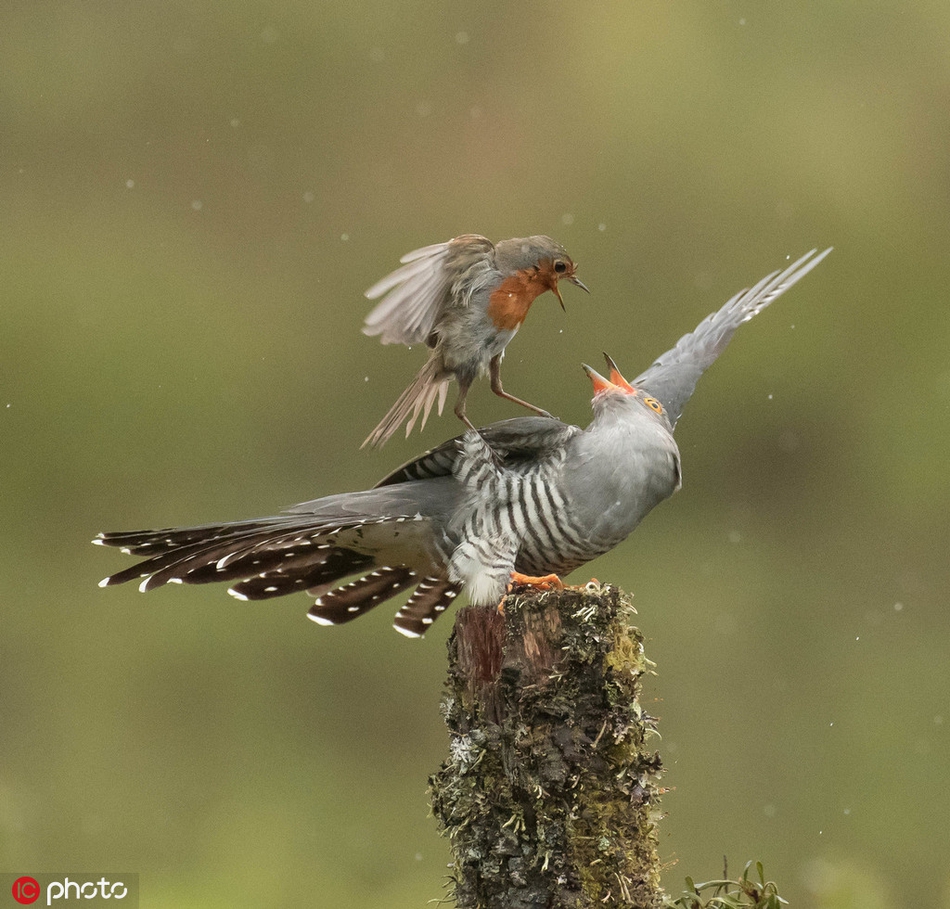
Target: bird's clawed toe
(546, 582)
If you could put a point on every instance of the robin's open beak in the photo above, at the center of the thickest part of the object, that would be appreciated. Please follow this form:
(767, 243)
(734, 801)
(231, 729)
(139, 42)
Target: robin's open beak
(575, 280)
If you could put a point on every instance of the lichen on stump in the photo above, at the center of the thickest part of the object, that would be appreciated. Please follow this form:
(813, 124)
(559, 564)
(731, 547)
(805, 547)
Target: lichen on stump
(549, 793)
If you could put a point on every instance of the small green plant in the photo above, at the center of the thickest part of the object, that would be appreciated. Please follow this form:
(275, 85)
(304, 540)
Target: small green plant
(744, 893)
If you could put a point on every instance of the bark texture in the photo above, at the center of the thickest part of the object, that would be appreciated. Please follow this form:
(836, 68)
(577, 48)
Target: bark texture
(549, 795)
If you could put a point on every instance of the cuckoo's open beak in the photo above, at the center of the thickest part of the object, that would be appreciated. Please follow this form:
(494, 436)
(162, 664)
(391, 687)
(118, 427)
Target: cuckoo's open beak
(615, 375)
(616, 382)
(598, 381)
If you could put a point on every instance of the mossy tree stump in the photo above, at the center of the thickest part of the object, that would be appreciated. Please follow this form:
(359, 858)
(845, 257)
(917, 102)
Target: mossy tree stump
(549, 794)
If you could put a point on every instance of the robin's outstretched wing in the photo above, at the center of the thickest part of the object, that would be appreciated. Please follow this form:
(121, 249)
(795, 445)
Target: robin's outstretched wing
(673, 376)
(514, 441)
(414, 295)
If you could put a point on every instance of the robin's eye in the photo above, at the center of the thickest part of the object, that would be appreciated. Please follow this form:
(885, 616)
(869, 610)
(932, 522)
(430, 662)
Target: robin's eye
(560, 266)
(653, 404)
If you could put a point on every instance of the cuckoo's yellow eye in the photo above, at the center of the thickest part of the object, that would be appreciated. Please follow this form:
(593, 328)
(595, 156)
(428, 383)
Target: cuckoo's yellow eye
(653, 404)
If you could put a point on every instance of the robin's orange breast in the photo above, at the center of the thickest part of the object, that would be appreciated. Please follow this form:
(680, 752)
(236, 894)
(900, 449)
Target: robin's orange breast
(509, 303)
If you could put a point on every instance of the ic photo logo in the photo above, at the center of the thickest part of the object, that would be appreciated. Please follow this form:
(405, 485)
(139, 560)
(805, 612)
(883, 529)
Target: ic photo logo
(91, 889)
(26, 890)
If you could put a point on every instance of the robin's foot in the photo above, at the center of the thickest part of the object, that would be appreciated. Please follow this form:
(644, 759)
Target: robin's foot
(495, 457)
(540, 411)
(547, 582)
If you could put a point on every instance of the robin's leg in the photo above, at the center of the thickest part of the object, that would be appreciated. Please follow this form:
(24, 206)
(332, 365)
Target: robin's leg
(494, 372)
(460, 404)
(460, 413)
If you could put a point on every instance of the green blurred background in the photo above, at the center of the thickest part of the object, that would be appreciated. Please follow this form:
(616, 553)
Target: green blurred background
(195, 195)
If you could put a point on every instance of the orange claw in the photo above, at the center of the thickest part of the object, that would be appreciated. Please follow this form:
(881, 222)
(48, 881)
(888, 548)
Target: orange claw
(547, 582)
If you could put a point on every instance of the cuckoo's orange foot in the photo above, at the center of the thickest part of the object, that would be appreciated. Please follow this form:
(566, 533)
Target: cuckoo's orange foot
(546, 582)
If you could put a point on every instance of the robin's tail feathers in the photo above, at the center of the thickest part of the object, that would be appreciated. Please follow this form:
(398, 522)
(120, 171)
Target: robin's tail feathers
(431, 385)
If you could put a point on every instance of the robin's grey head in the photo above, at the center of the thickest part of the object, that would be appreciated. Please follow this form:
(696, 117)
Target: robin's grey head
(543, 258)
(616, 393)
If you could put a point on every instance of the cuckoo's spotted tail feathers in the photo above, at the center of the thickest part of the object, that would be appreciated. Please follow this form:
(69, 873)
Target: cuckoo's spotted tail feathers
(279, 556)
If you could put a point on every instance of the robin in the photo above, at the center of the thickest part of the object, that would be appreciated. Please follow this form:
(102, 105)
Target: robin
(465, 299)
(521, 501)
